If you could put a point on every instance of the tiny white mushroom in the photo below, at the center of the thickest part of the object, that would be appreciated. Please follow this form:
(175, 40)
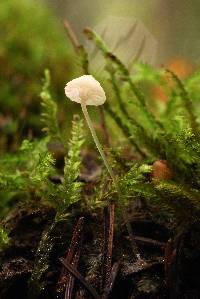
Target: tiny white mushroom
(86, 90)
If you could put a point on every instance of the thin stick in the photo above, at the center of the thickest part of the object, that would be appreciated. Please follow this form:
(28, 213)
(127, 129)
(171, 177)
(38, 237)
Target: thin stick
(77, 275)
(71, 35)
(70, 282)
(149, 241)
(109, 217)
(113, 275)
(75, 238)
(103, 125)
(79, 48)
(71, 255)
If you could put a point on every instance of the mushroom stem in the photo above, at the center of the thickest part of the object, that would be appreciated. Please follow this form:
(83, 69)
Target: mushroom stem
(99, 147)
(96, 140)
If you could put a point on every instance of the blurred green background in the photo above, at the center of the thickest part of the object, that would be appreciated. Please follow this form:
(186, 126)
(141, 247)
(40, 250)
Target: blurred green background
(31, 40)
(174, 23)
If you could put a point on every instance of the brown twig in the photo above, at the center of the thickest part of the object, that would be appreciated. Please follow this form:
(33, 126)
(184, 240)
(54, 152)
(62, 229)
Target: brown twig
(70, 281)
(75, 238)
(111, 281)
(74, 246)
(150, 241)
(79, 48)
(109, 219)
(170, 253)
(103, 125)
(72, 36)
(77, 275)
(71, 256)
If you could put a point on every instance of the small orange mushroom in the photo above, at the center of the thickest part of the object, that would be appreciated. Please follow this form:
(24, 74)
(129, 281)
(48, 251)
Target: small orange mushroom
(181, 67)
(161, 171)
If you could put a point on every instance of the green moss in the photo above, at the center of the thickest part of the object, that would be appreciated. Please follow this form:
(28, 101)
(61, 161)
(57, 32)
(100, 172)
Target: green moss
(170, 134)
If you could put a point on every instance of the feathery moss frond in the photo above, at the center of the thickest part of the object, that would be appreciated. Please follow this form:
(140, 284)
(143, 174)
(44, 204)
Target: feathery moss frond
(49, 114)
(187, 102)
(29, 169)
(70, 189)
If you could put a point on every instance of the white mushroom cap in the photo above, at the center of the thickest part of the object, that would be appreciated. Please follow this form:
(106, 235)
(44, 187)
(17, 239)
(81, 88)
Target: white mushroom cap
(85, 89)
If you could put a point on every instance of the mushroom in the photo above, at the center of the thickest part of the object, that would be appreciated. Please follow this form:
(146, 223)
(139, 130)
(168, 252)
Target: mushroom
(86, 90)
(161, 171)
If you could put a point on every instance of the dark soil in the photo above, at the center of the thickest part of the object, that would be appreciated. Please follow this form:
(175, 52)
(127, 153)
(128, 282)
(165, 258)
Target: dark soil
(98, 259)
